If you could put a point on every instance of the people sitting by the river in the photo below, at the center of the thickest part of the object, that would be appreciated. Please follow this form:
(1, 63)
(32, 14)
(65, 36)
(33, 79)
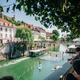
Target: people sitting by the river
(7, 78)
(77, 51)
(55, 67)
(66, 50)
(76, 69)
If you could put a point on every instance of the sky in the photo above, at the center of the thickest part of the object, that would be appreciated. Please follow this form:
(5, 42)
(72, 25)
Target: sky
(20, 15)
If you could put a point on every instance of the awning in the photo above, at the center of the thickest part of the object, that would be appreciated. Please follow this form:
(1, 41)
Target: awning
(72, 46)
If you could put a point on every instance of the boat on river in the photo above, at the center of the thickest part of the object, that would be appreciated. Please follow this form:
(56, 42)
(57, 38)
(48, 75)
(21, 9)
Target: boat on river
(33, 53)
(71, 49)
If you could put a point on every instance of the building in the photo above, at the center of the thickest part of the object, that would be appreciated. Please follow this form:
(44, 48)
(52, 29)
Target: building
(7, 31)
(4, 16)
(48, 35)
(42, 32)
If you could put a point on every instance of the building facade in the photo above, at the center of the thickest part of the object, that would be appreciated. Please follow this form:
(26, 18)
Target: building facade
(7, 31)
(4, 16)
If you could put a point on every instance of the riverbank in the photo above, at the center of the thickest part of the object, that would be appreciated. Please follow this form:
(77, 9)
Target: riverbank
(2, 58)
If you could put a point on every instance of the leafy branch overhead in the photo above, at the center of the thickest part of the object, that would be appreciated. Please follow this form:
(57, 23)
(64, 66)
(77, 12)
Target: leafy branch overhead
(65, 14)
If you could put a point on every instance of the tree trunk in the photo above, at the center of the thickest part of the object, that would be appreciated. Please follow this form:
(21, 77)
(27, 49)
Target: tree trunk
(23, 47)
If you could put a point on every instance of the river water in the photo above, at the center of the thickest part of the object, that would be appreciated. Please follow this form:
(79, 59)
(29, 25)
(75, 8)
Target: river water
(26, 68)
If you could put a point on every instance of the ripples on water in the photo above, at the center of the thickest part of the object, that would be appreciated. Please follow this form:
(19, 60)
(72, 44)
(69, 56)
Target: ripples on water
(14, 62)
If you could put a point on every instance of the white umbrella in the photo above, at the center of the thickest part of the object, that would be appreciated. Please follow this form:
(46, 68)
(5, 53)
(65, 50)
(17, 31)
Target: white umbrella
(76, 39)
(72, 46)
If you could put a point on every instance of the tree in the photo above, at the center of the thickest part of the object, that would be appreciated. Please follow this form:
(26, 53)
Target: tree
(42, 38)
(71, 36)
(65, 14)
(68, 38)
(25, 35)
(55, 32)
(63, 39)
(54, 37)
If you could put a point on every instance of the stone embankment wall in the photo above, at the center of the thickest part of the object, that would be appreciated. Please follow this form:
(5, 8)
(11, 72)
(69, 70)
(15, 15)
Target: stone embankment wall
(6, 49)
(3, 50)
(52, 46)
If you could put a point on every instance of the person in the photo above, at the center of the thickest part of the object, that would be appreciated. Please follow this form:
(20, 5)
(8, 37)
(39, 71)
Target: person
(55, 67)
(7, 78)
(50, 54)
(6, 55)
(39, 62)
(76, 69)
(77, 51)
(56, 55)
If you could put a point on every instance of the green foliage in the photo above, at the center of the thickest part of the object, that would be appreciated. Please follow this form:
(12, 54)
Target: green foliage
(1, 44)
(71, 37)
(56, 12)
(54, 37)
(68, 39)
(1, 9)
(17, 23)
(42, 38)
(24, 34)
(56, 33)
(63, 39)
(51, 37)
(8, 9)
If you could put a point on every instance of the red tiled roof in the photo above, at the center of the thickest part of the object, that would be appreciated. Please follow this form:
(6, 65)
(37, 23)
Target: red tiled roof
(49, 34)
(8, 23)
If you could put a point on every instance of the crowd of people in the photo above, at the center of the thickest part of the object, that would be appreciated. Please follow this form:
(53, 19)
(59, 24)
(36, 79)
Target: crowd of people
(75, 61)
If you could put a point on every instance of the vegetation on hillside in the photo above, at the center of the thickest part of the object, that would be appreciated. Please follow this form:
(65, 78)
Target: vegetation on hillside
(17, 23)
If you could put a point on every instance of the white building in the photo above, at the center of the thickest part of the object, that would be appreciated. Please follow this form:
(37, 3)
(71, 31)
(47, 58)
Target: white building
(35, 34)
(42, 32)
(7, 31)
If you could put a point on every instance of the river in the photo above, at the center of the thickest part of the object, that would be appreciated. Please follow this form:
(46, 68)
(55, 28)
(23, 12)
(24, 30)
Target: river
(26, 68)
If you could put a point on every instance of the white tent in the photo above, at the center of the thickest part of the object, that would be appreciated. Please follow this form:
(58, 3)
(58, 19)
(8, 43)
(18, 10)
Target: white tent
(76, 39)
(72, 46)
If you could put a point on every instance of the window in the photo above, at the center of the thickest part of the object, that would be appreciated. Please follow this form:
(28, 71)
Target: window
(0, 34)
(14, 30)
(1, 29)
(5, 29)
(10, 29)
(6, 24)
(10, 24)
(1, 23)
(10, 35)
(5, 35)
(13, 25)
